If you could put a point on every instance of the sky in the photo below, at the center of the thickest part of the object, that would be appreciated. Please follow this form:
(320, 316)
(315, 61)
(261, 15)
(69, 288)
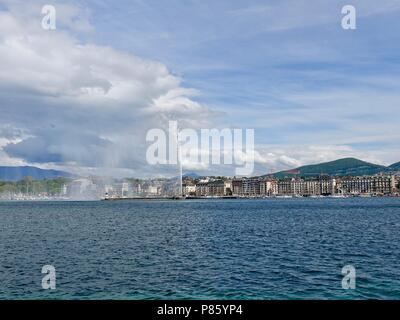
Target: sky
(82, 97)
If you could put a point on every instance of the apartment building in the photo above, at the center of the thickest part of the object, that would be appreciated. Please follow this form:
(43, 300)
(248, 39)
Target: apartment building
(251, 187)
(202, 189)
(379, 184)
(268, 187)
(321, 186)
(237, 186)
(217, 188)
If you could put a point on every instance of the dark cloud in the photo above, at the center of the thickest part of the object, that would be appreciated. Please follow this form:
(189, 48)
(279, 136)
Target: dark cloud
(59, 148)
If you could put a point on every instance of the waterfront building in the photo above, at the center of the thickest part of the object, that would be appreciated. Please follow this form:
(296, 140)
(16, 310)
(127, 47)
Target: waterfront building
(251, 187)
(248, 187)
(189, 189)
(395, 183)
(268, 187)
(202, 189)
(297, 187)
(318, 186)
(327, 185)
(379, 184)
(311, 188)
(237, 187)
(214, 188)
(228, 188)
(285, 187)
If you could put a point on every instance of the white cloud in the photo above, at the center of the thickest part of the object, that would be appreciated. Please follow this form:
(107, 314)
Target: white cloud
(78, 103)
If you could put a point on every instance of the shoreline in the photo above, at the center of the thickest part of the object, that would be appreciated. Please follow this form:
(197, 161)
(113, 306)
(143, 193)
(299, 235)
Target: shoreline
(245, 198)
(198, 198)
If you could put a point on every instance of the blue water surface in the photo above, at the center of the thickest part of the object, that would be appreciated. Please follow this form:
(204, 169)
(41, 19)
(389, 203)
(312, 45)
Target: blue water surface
(201, 249)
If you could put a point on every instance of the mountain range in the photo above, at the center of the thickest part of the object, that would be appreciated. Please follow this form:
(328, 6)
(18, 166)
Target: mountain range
(18, 173)
(395, 166)
(192, 175)
(341, 167)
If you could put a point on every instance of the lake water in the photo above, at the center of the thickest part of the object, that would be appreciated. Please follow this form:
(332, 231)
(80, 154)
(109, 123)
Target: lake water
(201, 249)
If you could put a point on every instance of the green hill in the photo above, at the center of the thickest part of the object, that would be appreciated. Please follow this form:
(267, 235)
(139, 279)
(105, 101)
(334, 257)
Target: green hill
(394, 167)
(341, 167)
(18, 173)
